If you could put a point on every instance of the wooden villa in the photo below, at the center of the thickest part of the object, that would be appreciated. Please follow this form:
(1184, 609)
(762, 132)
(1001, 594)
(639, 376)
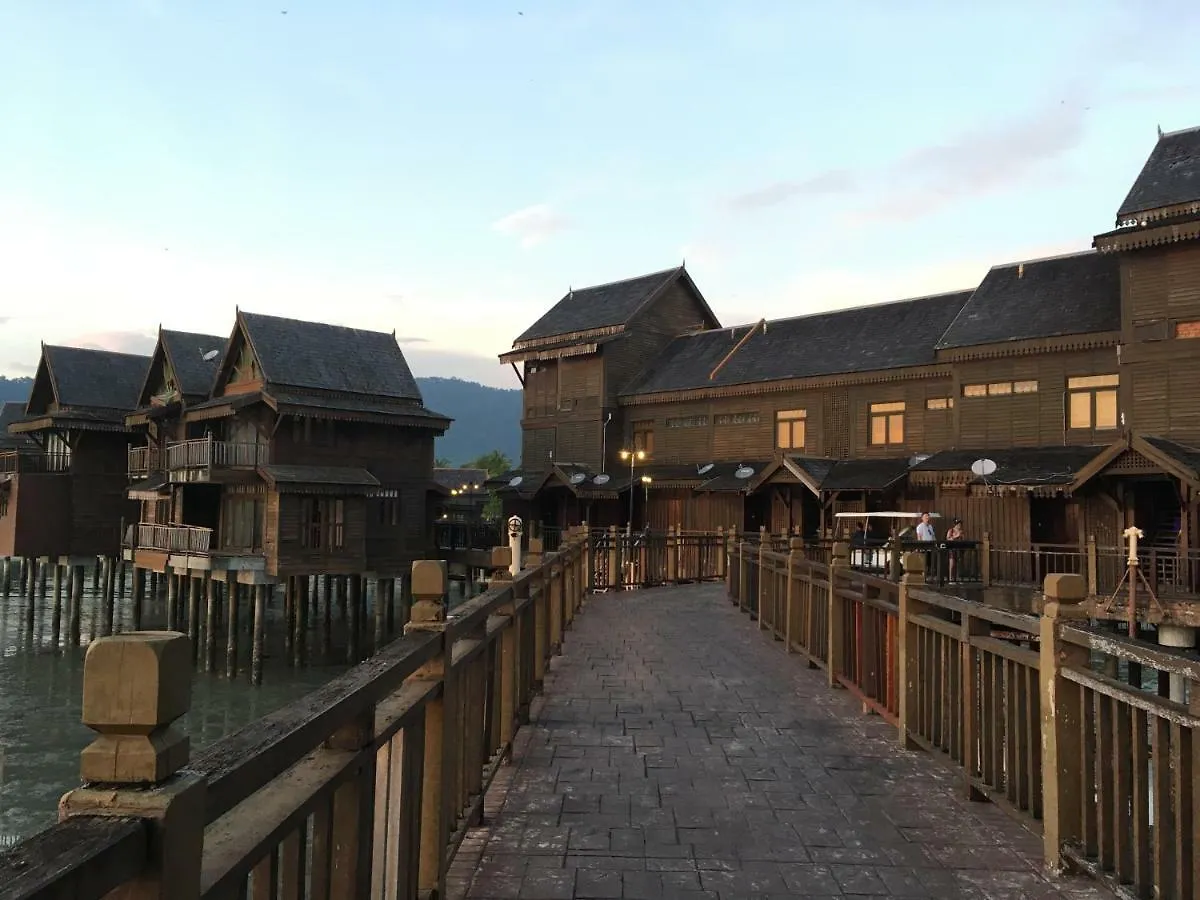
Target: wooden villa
(1077, 376)
(298, 449)
(62, 463)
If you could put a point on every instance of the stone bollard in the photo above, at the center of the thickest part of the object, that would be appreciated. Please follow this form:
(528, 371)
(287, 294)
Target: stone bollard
(134, 687)
(499, 564)
(534, 553)
(429, 580)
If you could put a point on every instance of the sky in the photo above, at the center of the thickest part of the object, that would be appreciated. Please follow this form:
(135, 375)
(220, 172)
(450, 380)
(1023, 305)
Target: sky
(449, 170)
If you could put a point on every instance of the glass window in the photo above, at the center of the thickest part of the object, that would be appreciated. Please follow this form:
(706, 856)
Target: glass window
(974, 390)
(887, 423)
(1091, 381)
(790, 431)
(939, 403)
(1025, 387)
(1092, 402)
(997, 388)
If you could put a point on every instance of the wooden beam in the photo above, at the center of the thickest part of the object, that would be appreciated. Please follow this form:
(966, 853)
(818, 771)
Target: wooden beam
(762, 323)
(520, 377)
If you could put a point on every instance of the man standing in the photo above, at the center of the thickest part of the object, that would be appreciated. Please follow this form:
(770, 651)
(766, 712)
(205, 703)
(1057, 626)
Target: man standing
(925, 530)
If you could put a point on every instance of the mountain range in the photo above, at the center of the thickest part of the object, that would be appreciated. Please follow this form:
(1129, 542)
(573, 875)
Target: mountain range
(485, 418)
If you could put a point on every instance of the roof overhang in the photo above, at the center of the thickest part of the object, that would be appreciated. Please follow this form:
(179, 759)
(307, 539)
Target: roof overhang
(534, 353)
(318, 479)
(1133, 443)
(62, 420)
(1185, 228)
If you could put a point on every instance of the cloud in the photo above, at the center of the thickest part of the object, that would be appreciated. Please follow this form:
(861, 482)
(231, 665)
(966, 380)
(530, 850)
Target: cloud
(141, 342)
(533, 224)
(835, 181)
(977, 162)
(20, 368)
(404, 339)
(455, 364)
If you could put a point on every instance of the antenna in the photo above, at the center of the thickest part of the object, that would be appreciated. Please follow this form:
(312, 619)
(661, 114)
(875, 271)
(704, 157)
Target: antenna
(743, 472)
(210, 355)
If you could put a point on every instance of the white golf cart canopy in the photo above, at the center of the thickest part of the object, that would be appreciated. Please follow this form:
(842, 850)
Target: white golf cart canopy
(884, 515)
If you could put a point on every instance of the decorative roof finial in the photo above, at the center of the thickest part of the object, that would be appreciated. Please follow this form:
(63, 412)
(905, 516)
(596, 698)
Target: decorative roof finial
(1160, 132)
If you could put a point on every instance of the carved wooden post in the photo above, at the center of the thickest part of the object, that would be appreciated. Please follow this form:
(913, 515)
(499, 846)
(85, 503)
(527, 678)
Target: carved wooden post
(429, 583)
(760, 599)
(1062, 717)
(134, 687)
(795, 552)
(985, 560)
(909, 639)
(672, 555)
(838, 563)
(614, 558)
(1093, 578)
(722, 553)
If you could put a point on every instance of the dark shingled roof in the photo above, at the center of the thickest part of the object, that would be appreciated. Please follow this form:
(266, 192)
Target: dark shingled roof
(600, 306)
(1188, 456)
(11, 411)
(1075, 294)
(864, 474)
(341, 476)
(1020, 465)
(862, 339)
(96, 379)
(330, 357)
(817, 467)
(381, 406)
(186, 351)
(454, 478)
(1171, 175)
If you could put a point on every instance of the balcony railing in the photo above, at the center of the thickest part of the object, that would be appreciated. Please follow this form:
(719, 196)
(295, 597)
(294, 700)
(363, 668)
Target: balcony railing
(170, 538)
(206, 453)
(14, 461)
(143, 461)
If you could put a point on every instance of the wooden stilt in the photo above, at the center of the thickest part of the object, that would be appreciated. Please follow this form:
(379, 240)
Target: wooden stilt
(299, 591)
(77, 576)
(259, 633)
(233, 590)
(354, 625)
(137, 597)
(172, 591)
(327, 623)
(56, 621)
(210, 623)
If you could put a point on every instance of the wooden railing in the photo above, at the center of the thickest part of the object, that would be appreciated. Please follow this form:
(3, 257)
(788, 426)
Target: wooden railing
(13, 462)
(364, 788)
(206, 453)
(646, 559)
(173, 538)
(1021, 704)
(143, 460)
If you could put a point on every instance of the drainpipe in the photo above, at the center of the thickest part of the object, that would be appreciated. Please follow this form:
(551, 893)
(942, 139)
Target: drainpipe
(604, 443)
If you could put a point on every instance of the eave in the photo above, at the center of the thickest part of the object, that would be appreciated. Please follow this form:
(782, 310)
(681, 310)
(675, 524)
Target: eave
(571, 337)
(1030, 347)
(1150, 235)
(516, 356)
(1168, 464)
(59, 421)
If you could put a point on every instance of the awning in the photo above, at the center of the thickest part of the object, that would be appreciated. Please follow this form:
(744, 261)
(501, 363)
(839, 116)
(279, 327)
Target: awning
(323, 479)
(153, 488)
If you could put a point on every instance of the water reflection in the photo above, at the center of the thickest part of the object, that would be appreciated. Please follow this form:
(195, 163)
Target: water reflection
(41, 694)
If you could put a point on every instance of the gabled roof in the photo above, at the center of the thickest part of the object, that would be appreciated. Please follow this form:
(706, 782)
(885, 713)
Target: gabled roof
(453, 478)
(1075, 294)
(316, 356)
(865, 474)
(186, 351)
(606, 305)
(1170, 177)
(95, 379)
(862, 339)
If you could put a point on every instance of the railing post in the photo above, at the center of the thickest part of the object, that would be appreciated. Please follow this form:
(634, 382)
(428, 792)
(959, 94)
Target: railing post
(722, 548)
(1062, 721)
(429, 583)
(839, 562)
(557, 585)
(761, 599)
(672, 555)
(985, 560)
(1092, 575)
(134, 686)
(614, 558)
(795, 554)
(743, 577)
(908, 636)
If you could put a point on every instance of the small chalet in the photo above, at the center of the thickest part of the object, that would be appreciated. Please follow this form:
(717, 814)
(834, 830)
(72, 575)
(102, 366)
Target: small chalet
(63, 474)
(309, 451)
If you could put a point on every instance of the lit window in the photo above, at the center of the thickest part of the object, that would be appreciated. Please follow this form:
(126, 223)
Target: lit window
(790, 429)
(1187, 329)
(887, 423)
(974, 390)
(1092, 402)
(1025, 387)
(939, 403)
(998, 388)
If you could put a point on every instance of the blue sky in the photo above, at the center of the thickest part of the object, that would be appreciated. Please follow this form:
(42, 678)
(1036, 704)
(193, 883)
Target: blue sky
(448, 170)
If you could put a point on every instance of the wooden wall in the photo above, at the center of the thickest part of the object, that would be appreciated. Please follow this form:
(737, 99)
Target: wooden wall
(694, 511)
(282, 542)
(98, 485)
(1160, 373)
(38, 522)
(1026, 420)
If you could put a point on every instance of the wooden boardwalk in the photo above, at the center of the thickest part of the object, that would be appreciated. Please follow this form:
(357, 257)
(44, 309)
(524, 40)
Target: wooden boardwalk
(679, 752)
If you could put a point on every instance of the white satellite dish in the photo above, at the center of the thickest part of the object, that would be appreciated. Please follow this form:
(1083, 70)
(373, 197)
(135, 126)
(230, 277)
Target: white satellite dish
(983, 467)
(704, 469)
(577, 478)
(210, 355)
(743, 472)
(919, 458)
(600, 479)
(515, 481)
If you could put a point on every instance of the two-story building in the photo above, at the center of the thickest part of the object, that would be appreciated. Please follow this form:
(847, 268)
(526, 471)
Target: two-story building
(1054, 400)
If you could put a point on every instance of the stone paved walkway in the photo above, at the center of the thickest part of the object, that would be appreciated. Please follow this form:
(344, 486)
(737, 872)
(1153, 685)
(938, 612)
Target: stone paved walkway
(680, 753)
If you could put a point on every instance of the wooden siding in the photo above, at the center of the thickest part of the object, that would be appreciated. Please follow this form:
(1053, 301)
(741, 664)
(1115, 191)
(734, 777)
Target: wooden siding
(537, 448)
(1026, 420)
(695, 511)
(38, 518)
(282, 541)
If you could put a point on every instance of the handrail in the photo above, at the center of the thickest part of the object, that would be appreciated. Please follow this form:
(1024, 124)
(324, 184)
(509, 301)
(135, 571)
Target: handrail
(206, 452)
(180, 538)
(83, 858)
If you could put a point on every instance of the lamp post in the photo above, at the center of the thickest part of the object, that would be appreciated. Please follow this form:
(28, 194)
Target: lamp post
(633, 456)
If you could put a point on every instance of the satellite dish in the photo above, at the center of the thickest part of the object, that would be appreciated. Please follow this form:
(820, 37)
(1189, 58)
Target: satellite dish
(919, 458)
(210, 355)
(983, 467)
(515, 481)
(600, 479)
(743, 472)
(578, 478)
(704, 469)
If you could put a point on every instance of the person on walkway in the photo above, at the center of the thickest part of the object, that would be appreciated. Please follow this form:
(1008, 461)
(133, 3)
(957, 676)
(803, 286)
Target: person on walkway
(925, 530)
(955, 533)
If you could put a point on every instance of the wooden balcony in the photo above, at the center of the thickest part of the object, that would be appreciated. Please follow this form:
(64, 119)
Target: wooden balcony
(13, 462)
(143, 461)
(196, 460)
(171, 538)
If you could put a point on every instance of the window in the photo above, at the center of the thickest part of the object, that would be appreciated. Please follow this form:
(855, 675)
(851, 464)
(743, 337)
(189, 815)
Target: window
(1000, 388)
(790, 428)
(939, 403)
(1187, 329)
(742, 418)
(688, 422)
(322, 524)
(389, 511)
(887, 423)
(242, 523)
(643, 436)
(1092, 402)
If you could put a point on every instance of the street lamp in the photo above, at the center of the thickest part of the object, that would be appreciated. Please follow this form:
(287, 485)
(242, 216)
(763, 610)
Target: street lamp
(633, 456)
(646, 479)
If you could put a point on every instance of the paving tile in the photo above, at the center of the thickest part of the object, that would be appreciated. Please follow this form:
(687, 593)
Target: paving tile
(677, 752)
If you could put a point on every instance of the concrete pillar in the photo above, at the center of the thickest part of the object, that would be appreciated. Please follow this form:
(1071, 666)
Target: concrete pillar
(1180, 637)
